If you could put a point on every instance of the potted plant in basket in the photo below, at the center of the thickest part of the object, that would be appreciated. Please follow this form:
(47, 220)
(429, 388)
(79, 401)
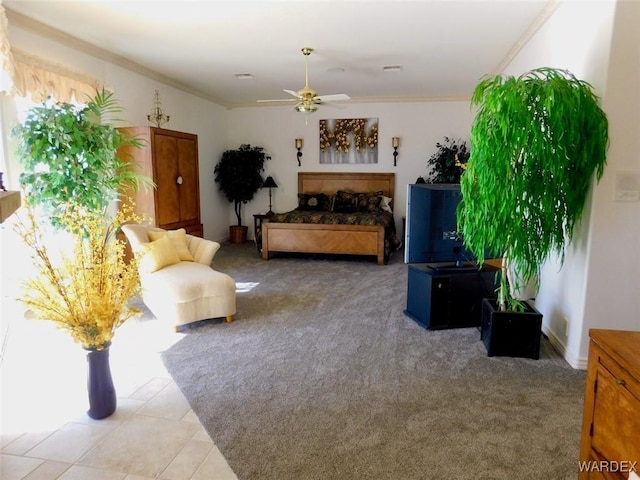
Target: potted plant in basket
(238, 173)
(536, 142)
(71, 175)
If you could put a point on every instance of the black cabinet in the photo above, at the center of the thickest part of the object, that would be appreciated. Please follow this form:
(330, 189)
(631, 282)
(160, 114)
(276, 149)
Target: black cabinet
(443, 295)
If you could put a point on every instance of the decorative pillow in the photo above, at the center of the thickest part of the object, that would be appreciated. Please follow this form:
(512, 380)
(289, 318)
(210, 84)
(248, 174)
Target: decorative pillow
(317, 202)
(385, 204)
(158, 254)
(369, 202)
(179, 240)
(345, 202)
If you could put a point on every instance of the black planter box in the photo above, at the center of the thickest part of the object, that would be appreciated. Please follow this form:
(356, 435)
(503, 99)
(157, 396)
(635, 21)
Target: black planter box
(510, 334)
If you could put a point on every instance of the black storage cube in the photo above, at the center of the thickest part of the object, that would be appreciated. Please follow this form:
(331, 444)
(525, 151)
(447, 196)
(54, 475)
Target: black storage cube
(441, 295)
(511, 334)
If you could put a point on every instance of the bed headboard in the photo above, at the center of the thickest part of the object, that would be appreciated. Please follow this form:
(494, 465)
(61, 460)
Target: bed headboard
(331, 182)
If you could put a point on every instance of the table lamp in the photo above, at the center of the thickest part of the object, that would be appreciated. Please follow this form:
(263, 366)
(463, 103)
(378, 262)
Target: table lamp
(269, 183)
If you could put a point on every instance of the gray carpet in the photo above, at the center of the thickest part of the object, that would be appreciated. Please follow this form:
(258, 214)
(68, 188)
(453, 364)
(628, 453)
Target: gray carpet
(322, 376)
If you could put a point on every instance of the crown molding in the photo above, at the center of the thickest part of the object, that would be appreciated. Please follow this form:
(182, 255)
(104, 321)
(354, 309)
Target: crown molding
(538, 22)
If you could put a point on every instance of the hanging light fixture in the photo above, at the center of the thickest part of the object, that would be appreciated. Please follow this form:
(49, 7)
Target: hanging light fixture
(157, 116)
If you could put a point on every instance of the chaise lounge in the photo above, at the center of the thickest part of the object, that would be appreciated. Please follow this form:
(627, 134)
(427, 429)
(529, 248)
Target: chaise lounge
(178, 283)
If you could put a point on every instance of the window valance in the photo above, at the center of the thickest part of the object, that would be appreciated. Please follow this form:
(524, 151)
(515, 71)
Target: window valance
(40, 79)
(24, 74)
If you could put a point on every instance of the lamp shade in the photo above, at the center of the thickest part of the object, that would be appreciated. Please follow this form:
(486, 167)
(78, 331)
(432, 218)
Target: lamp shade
(269, 183)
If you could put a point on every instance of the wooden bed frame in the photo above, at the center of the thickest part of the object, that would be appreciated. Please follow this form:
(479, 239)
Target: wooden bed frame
(331, 239)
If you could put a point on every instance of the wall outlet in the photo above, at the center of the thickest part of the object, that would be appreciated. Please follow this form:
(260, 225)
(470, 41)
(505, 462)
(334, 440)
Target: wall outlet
(627, 186)
(566, 326)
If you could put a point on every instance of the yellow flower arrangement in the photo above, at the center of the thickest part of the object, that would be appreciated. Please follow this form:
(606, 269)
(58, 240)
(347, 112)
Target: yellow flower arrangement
(87, 292)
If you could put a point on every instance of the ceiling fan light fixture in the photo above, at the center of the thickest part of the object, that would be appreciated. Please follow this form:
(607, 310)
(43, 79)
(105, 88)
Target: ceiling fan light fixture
(308, 99)
(303, 108)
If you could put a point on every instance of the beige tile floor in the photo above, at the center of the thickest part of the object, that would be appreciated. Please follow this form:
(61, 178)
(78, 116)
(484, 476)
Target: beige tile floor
(46, 434)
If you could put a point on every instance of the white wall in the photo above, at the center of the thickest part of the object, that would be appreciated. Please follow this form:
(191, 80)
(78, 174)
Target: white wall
(419, 125)
(597, 285)
(612, 296)
(136, 94)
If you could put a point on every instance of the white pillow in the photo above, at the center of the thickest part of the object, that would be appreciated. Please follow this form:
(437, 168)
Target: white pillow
(385, 204)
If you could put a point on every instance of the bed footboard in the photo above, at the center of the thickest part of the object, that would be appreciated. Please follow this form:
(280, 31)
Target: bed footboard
(320, 238)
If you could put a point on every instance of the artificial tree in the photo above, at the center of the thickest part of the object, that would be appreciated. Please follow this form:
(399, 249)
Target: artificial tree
(239, 175)
(71, 156)
(448, 162)
(536, 142)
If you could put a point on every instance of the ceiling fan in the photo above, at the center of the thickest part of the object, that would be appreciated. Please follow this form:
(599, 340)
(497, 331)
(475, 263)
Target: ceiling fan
(308, 99)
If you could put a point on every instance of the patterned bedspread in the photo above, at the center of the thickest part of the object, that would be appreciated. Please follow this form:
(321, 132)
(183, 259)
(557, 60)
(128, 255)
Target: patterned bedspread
(333, 218)
(391, 242)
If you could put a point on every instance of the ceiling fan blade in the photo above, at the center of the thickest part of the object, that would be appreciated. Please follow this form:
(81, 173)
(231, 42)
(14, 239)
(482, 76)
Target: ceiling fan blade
(291, 92)
(277, 100)
(333, 105)
(336, 97)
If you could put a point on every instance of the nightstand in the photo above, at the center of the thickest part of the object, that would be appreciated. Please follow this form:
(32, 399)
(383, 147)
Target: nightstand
(258, 218)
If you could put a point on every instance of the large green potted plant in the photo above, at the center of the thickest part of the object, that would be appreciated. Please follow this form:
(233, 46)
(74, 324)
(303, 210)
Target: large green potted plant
(82, 281)
(239, 175)
(536, 142)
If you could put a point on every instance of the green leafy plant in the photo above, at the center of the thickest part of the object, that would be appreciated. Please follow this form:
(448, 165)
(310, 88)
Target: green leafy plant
(70, 155)
(238, 173)
(449, 161)
(536, 142)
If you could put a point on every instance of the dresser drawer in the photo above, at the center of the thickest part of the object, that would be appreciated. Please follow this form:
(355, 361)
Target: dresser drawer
(622, 377)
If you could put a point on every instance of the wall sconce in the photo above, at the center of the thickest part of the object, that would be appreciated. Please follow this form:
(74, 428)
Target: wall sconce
(299, 147)
(270, 183)
(395, 143)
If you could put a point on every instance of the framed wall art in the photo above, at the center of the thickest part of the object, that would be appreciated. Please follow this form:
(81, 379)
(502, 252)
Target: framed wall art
(349, 140)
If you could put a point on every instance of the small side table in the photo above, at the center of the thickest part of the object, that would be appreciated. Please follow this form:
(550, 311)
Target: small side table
(258, 218)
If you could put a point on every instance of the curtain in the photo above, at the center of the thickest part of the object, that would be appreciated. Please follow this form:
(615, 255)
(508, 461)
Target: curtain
(8, 72)
(24, 74)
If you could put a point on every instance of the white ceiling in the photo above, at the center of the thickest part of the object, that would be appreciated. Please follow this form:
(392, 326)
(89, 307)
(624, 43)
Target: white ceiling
(443, 46)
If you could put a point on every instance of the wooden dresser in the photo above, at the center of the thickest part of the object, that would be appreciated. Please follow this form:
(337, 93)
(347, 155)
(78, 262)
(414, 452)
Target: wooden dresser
(610, 445)
(170, 158)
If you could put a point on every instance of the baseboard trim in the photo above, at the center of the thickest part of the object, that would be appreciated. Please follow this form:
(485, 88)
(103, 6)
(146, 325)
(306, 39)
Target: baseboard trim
(577, 362)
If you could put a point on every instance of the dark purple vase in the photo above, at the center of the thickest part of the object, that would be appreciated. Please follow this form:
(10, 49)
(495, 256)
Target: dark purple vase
(102, 394)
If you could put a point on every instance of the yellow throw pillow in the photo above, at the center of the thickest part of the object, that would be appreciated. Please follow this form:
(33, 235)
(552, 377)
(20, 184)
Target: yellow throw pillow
(158, 254)
(179, 240)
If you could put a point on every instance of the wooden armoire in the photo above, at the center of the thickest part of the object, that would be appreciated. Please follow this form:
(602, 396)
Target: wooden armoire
(170, 158)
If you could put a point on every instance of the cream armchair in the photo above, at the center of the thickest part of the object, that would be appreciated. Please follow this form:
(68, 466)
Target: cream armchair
(178, 283)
